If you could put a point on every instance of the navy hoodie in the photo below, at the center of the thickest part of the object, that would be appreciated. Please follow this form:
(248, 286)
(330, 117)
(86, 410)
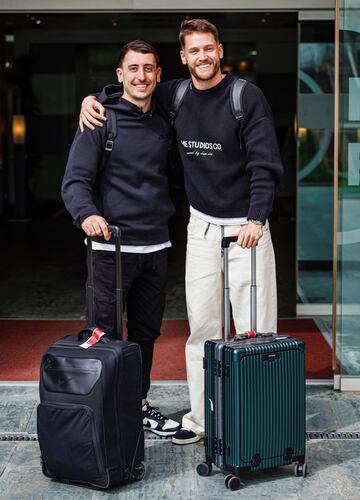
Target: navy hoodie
(132, 191)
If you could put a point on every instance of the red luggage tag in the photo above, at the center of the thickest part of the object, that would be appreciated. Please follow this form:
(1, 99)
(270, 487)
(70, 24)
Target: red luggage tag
(94, 339)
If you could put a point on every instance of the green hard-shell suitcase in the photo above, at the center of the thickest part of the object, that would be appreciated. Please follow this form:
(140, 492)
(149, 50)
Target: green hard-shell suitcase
(254, 396)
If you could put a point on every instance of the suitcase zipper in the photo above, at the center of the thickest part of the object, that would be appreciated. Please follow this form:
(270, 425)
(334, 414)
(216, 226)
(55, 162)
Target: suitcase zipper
(50, 368)
(125, 468)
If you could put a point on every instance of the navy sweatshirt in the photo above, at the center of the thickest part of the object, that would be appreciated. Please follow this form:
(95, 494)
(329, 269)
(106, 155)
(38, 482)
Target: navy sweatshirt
(221, 179)
(132, 191)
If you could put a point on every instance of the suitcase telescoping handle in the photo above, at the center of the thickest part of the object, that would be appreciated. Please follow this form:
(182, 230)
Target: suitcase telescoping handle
(225, 243)
(115, 231)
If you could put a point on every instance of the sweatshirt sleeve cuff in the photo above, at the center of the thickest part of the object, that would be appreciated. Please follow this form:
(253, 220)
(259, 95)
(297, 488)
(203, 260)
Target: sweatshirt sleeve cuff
(256, 214)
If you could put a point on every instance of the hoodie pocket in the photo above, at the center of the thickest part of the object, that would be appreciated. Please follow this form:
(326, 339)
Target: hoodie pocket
(69, 442)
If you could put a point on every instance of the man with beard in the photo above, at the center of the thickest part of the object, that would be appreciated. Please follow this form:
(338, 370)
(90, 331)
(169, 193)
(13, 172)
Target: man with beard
(230, 173)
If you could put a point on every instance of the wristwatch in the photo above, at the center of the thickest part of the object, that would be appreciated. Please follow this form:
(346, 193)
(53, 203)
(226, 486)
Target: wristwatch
(257, 222)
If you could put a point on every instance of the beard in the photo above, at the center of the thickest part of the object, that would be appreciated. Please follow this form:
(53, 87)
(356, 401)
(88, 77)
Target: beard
(208, 76)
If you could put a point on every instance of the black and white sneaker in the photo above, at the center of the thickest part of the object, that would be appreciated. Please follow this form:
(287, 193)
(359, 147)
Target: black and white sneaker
(156, 422)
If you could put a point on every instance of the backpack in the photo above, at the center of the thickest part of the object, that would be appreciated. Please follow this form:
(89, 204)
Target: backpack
(110, 136)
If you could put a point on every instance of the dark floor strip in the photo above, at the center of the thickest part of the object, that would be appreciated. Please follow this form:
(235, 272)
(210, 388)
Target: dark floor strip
(24, 436)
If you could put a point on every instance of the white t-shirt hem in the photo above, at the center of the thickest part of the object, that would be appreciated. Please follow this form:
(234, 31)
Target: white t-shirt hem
(108, 247)
(219, 221)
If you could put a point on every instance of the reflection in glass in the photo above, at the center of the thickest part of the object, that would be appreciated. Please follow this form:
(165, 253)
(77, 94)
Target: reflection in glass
(348, 276)
(315, 163)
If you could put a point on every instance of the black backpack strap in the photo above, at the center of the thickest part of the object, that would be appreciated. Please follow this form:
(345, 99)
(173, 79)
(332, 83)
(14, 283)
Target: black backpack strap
(236, 101)
(111, 133)
(179, 95)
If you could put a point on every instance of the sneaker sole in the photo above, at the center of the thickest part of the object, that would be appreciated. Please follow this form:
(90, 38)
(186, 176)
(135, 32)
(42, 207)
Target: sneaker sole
(161, 433)
(187, 441)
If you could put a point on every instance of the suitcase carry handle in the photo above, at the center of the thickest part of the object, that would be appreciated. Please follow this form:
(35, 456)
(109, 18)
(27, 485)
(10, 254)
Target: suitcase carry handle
(251, 334)
(225, 243)
(115, 231)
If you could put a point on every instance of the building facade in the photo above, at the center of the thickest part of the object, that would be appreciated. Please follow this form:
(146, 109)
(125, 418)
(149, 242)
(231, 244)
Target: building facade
(53, 53)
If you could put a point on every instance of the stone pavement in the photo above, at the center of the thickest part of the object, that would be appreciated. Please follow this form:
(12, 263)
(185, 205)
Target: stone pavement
(333, 465)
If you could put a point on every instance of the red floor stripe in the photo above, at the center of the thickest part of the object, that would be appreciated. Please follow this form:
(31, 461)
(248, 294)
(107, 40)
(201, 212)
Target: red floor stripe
(22, 343)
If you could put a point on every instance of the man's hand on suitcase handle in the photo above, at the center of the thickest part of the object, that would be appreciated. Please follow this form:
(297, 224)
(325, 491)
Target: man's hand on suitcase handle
(249, 235)
(95, 225)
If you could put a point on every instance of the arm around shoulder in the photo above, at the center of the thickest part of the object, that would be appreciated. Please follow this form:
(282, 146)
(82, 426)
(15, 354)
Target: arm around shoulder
(92, 113)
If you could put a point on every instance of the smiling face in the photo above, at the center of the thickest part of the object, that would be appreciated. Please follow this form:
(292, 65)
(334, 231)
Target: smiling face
(139, 74)
(202, 54)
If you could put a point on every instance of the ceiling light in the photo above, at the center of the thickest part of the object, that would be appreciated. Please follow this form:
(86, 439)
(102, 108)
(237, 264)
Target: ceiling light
(227, 68)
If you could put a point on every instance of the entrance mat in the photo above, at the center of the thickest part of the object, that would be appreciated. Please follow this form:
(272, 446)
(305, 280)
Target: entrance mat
(22, 343)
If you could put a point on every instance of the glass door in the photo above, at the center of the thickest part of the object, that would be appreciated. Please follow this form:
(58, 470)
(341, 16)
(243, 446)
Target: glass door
(346, 312)
(315, 169)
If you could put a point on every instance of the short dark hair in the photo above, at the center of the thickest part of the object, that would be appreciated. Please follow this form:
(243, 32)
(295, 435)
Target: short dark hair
(189, 26)
(137, 46)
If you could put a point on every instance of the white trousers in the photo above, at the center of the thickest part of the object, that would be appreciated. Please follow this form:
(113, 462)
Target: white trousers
(204, 298)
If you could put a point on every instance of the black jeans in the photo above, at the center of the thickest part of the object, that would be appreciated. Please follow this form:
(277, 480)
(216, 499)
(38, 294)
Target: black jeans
(143, 283)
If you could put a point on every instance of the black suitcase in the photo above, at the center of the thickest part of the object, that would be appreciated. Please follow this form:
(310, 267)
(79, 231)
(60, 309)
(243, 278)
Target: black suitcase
(254, 396)
(89, 419)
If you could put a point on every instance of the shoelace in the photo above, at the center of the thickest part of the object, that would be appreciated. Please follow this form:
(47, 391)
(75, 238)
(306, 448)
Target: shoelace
(153, 412)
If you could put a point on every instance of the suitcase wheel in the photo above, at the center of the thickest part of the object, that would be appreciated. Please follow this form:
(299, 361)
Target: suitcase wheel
(232, 482)
(138, 472)
(300, 469)
(204, 469)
